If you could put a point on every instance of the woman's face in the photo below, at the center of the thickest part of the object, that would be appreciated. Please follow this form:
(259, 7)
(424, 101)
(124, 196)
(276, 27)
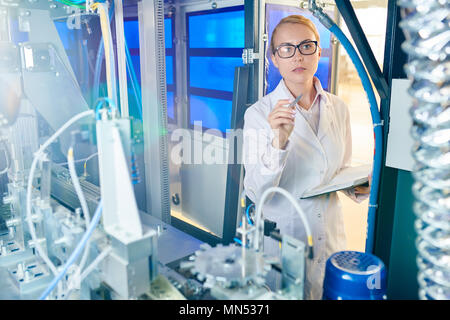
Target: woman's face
(299, 69)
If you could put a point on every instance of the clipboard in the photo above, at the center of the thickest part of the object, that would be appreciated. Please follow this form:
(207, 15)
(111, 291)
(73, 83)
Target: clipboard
(346, 178)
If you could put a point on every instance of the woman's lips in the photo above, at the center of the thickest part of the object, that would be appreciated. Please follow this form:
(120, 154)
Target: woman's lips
(299, 69)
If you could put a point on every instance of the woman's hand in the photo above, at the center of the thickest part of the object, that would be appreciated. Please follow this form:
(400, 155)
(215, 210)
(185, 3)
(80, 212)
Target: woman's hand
(364, 190)
(281, 120)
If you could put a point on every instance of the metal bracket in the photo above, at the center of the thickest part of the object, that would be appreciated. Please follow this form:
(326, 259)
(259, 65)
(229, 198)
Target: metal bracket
(293, 267)
(248, 56)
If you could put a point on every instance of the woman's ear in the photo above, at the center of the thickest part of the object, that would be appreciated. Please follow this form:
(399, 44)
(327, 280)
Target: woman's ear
(274, 60)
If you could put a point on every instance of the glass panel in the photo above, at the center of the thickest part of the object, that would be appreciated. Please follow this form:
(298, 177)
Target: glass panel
(217, 30)
(213, 113)
(170, 104)
(137, 67)
(215, 73)
(64, 34)
(169, 69)
(168, 32)
(131, 28)
(323, 71)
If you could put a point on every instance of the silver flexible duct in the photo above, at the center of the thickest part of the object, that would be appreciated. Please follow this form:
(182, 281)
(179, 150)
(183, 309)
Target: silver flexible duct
(426, 25)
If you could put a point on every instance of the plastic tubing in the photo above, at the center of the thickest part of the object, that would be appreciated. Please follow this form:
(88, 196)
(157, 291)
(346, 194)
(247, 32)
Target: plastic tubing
(83, 203)
(99, 60)
(36, 158)
(97, 72)
(76, 252)
(258, 222)
(377, 131)
(247, 213)
(134, 81)
(109, 52)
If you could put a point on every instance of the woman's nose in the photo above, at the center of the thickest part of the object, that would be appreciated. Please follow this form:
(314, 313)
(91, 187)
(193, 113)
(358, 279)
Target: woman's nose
(298, 56)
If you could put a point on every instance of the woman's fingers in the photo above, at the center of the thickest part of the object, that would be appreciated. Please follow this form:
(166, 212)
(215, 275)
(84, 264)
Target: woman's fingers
(363, 190)
(282, 103)
(279, 121)
(281, 112)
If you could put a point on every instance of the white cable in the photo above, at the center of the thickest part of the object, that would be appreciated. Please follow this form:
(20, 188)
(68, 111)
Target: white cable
(77, 278)
(83, 202)
(36, 158)
(260, 225)
(90, 157)
(78, 160)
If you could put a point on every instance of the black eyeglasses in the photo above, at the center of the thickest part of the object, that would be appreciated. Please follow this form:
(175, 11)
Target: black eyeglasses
(306, 48)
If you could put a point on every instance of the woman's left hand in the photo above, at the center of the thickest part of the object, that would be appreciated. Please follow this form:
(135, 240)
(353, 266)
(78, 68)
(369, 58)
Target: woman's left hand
(364, 190)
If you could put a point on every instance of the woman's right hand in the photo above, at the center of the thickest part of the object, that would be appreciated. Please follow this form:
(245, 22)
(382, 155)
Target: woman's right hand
(281, 120)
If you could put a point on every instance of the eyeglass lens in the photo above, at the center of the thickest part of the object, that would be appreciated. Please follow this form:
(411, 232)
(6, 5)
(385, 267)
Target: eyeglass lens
(305, 48)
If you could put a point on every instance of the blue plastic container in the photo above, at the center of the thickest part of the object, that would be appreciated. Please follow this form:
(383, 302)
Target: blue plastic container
(353, 275)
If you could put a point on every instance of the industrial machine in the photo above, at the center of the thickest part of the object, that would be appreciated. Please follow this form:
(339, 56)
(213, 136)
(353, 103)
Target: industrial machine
(72, 235)
(91, 207)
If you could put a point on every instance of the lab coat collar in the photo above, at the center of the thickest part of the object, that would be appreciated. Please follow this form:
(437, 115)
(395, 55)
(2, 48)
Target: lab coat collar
(319, 90)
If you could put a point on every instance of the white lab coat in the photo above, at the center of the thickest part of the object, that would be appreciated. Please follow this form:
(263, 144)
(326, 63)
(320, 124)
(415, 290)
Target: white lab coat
(308, 161)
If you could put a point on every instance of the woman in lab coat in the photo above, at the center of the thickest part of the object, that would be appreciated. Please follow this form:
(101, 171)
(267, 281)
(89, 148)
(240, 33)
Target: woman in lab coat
(298, 148)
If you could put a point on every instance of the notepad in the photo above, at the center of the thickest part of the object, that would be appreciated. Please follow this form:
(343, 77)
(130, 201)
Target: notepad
(346, 178)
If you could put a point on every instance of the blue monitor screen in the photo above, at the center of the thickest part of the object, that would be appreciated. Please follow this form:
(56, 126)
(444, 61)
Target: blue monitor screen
(213, 113)
(217, 30)
(215, 73)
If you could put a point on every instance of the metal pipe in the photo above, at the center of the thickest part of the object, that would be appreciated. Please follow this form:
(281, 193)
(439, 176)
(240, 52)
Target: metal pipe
(427, 31)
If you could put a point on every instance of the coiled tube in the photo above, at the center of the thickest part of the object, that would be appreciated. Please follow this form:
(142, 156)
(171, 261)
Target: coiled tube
(426, 26)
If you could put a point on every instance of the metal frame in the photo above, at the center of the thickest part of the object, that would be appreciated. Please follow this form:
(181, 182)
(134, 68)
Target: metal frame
(234, 172)
(154, 107)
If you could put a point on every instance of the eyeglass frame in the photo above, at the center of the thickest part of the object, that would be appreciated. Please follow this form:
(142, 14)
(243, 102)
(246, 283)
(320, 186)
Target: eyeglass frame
(297, 47)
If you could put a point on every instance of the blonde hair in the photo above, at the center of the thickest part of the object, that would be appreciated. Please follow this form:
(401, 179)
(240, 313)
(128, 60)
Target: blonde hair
(298, 19)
